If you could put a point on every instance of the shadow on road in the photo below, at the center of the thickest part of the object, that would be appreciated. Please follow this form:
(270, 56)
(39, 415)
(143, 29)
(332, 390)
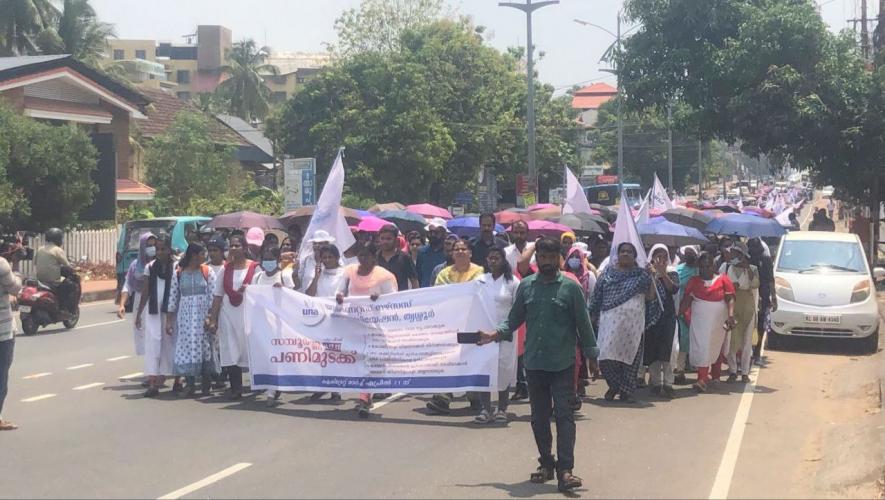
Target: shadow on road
(525, 489)
(826, 346)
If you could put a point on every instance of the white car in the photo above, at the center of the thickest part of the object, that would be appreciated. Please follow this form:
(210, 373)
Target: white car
(827, 191)
(825, 289)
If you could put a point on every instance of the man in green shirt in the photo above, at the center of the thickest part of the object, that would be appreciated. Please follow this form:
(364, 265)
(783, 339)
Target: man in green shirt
(555, 313)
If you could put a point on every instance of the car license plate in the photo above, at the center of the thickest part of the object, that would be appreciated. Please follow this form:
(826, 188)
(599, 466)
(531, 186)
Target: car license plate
(823, 319)
(24, 309)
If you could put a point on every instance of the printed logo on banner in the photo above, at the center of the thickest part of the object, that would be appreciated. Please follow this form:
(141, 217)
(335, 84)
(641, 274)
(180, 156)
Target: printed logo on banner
(311, 313)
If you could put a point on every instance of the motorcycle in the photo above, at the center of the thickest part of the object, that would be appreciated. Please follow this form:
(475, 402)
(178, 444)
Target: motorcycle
(38, 304)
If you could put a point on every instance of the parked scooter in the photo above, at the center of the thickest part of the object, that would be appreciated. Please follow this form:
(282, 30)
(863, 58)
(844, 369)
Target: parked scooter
(38, 304)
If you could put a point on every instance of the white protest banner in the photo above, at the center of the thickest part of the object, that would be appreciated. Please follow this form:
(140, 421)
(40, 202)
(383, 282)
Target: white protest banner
(575, 198)
(327, 215)
(403, 342)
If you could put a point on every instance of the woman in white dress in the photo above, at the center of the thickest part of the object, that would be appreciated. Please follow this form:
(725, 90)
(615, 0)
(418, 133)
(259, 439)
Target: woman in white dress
(271, 274)
(196, 351)
(159, 346)
(134, 283)
(499, 288)
(227, 316)
(328, 281)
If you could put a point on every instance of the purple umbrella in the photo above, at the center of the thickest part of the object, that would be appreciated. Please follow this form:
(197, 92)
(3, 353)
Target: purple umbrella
(660, 230)
(746, 225)
(245, 220)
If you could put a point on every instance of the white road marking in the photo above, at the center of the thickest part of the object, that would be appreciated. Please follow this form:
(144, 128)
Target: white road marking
(202, 483)
(724, 475)
(388, 400)
(99, 324)
(37, 375)
(38, 398)
(131, 375)
(118, 358)
(88, 386)
(97, 303)
(77, 367)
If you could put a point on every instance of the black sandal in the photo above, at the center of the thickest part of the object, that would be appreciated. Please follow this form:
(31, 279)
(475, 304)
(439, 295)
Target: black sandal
(568, 481)
(543, 474)
(610, 394)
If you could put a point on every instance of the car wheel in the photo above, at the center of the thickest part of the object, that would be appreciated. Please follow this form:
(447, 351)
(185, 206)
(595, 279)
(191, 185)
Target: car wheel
(871, 343)
(774, 341)
(29, 324)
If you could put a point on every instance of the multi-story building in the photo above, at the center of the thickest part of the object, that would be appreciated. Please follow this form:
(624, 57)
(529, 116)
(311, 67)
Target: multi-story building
(586, 102)
(195, 66)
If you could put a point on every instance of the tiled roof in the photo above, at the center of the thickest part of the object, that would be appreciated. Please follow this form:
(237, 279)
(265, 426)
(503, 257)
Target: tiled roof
(128, 186)
(593, 96)
(166, 106)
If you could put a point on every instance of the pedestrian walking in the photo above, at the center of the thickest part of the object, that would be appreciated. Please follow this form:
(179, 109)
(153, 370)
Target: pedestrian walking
(271, 274)
(367, 279)
(687, 269)
(499, 288)
(659, 337)
(625, 301)
(708, 304)
(393, 259)
(227, 316)
(215, 248)
(556, 318)
(190, 298)
(328, 281)
(159, 346)
(130, 296)
(433, 254)
(745, 278)
(305, 266)
(479, 246)
(10, 285)
(767, 294)
(448, 247)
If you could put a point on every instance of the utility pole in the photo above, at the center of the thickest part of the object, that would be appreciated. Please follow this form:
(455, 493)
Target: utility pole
(620, 113)
(528, 8)
(700, 171)
(670, 147)
(866, 48)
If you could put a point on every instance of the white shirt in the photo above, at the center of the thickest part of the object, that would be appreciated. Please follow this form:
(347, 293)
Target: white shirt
(512, 254)
(280, 277)
(331, 282)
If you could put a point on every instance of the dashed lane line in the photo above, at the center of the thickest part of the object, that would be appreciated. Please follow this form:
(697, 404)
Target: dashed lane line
(118, 358)
(38, 398)
(36, 375)
(78, 367)
(130, 376)
(88, 386)
(388, 400)
(202, 483)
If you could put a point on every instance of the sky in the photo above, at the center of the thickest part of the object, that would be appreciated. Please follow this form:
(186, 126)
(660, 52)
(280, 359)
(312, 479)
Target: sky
(571, 51)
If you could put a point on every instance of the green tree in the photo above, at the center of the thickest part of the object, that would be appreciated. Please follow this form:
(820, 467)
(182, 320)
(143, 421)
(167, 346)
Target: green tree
(246, 94)
(194, 175)
(378, 25)
(77, 31)
(22, 22)
(48, 172)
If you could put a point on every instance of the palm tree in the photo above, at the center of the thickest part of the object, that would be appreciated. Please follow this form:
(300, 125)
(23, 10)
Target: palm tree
(78, 32)
(20, 23)
(248, 95)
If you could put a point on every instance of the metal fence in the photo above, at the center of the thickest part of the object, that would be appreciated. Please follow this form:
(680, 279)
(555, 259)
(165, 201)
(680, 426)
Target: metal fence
(92, 246)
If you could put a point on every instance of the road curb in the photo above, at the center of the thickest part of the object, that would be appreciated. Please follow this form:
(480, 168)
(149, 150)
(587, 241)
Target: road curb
(98, 296)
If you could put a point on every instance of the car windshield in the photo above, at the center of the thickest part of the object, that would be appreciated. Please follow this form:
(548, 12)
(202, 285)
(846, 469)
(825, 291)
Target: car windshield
(133, 233)
(821, 257)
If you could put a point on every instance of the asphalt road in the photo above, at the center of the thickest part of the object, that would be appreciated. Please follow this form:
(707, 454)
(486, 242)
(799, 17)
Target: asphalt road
(85, 432)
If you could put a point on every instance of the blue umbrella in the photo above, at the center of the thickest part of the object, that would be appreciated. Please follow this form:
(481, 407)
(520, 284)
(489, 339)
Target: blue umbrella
(659, 230)
(745, 225)
(468, 227)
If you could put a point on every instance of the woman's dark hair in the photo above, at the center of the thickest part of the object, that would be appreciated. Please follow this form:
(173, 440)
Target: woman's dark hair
(193, 250)
(332, 249)
(286, 242)
(239, 237)
(273, 250)
(705, 255)
(267, 244)
(548, 245)
(508, 273)
(632, 247)
(367, 247)
(389, 228)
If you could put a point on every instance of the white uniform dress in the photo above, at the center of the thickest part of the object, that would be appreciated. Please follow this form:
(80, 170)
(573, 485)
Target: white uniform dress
(499, 294)
(137, 333)
(282, 277)
(232, 323)
(159, 348)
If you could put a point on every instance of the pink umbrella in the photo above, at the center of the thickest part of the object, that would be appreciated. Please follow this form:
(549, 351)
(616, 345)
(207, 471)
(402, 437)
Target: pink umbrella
(541, 206)
(428, 210)
(508, 217)
(546, 228)
(371, 224)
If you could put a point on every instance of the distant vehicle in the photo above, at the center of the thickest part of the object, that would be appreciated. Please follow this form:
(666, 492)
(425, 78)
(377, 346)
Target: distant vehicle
(177, 227)
(825, 289)
(827, 191)
(607, 194)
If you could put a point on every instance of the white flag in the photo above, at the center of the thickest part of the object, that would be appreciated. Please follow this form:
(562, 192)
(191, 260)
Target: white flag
(575, 201)
(327, 215)
(784, 218)
(642, 214)
(659, 198)
(625, 230)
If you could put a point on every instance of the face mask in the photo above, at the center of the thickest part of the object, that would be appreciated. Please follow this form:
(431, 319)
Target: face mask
(268, 265)
(151, 252)
(574, 263)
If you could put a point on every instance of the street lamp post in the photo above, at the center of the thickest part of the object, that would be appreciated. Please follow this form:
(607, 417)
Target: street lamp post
(528, 7)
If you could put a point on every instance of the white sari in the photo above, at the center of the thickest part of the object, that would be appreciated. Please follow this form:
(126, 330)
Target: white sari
(709, 338)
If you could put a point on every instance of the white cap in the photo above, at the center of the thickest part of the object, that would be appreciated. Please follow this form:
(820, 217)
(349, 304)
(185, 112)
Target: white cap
(435, 222)
(321, 236)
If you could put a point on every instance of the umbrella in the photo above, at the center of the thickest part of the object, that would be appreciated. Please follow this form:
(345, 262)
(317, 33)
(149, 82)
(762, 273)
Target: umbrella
(302, 215)
(584, 223)
(608, 213)
(468, 226)
(371, 224)
(747, 225)
(509, 217)
(380, 207)
(245, 220)
(541, 206)
(546, 228)
(759, 212)
(727, 208)
(405, 221)
(690, 217)
(660, 230)
(546, 213)
(428, 210)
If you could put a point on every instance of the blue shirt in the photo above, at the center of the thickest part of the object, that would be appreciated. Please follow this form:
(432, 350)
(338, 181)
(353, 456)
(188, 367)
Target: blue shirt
(428, 259)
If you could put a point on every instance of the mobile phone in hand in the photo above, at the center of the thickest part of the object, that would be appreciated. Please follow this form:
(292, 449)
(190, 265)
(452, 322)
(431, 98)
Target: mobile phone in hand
(468, 337)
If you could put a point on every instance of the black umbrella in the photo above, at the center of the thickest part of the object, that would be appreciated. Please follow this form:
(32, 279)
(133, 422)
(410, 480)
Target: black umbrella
(584, 224)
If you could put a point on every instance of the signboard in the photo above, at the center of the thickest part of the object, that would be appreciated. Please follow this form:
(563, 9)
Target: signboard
(526, 190)
(556, 196)
(457, 210)
(606, 179)
(299, 182)
(463, 198)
